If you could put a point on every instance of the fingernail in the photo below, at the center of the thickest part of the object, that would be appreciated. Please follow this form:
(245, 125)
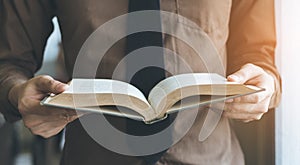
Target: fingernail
(234, 78)
(61, 87)
(229, 101)
(66, 86)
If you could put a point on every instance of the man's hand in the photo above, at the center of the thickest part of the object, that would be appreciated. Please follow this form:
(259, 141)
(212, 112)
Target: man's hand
(254, 106)
(41, 120)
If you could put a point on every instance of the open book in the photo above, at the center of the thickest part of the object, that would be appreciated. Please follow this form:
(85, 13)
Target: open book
(180, 92)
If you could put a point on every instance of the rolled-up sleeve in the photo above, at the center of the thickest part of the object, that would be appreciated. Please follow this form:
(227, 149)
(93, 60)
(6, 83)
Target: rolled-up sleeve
(24, 29)
(252, 39)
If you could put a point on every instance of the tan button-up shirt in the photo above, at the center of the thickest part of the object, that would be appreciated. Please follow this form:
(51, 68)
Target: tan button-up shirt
(242, 31)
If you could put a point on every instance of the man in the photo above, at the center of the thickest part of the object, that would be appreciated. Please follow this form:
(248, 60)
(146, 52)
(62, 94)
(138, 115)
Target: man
(242, 31)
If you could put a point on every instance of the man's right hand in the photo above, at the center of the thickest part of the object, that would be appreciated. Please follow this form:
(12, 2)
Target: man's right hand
(41, 120)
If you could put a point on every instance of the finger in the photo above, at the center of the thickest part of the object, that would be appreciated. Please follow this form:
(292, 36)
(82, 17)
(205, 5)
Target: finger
(266, 81)
(243, 116)
(52, 132)
(46, 128)
(252, 99)
(71, 112)
(34, 107)
(72, 118)
(247, 121)
(246, 73)
(49, 85)
(81, 113)
(243, 107)
(34, 120)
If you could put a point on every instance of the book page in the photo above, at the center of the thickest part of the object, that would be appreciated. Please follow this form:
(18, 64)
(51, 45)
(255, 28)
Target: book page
(179, 81)
(169, 91)
(92, 94)
(86, 86)
(165, 87)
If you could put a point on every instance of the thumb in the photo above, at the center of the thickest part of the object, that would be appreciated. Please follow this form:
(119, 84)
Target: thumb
(246, 73)
(49, 85)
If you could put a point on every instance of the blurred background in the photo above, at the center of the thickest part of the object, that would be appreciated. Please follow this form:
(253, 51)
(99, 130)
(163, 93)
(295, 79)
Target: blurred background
(273, 140)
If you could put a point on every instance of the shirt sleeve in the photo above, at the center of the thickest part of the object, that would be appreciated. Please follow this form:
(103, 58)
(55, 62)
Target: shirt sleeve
(252, 39)
(24, 29)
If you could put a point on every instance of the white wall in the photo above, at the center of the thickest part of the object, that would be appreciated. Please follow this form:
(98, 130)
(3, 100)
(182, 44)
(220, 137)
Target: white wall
(288, 61)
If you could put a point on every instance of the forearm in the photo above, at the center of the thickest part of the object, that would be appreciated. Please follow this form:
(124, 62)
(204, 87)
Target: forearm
(10, 75)
(24, 30)
(252, 39)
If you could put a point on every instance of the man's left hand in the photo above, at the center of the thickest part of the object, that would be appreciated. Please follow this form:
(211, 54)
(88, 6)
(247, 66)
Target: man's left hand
(254, 106)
